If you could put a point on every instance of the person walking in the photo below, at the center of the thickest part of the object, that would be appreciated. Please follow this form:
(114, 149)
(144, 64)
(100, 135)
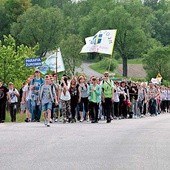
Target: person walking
(4, 93)
(75, 97)
(84, 102)
(107, 95)
(65, 99)
(36, 82)
(47, 97)
(14, 94)
(94, 92)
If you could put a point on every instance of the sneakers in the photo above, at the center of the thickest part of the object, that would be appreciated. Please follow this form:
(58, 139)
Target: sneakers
(45, 122)
(56, 120)
(64, 120)
(73, 120)
(108, 121)
(81, 120)
(27, 120)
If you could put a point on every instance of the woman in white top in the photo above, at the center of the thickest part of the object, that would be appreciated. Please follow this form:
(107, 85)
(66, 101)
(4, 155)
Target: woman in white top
(26, 99)
(14, 94)
(65, 99)
(116, 100)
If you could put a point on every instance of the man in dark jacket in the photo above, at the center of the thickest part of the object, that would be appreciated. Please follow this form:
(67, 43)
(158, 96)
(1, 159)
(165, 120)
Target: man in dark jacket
(3, 98)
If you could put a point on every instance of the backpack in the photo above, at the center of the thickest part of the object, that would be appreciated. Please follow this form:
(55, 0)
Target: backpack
(55, 87)
(41, 80)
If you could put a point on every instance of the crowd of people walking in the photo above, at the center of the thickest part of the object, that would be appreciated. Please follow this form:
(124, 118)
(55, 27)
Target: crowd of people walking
(79, 99)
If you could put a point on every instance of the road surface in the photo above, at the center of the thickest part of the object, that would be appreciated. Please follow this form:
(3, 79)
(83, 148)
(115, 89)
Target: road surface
(88, 71)
(129, 144)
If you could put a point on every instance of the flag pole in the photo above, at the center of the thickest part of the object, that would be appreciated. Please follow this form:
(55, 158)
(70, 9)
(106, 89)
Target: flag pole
(56, 67)
(57, 82)
(110, 62)
(112, 50)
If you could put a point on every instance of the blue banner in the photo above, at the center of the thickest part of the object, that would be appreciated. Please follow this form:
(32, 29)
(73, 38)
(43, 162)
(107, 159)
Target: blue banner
(33, 62)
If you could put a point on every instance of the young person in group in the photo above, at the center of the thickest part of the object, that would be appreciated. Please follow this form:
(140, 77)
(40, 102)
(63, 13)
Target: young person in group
(99, 80)
(133, 96)
(84, 102)
(22, 105)
(13, 94)
(26, 100)
(152, 99)
(54, 106)
(36, 82)
(107, 95)
(47, 97)
(4, 93)
(94, 92)
(75, 97)
(65, 99)
(116, 100)
(124, 97)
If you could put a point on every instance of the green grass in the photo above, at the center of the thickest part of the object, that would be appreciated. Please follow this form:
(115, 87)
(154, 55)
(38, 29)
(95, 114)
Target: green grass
(132, 61)
(97, 68)
(19, 117)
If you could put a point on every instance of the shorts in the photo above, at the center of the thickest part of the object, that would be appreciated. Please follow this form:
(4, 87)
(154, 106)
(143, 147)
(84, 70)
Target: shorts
(23, 106)
(46, 106)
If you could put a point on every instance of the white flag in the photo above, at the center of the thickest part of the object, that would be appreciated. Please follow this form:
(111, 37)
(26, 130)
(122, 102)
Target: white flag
(102, 42)
(51, 62)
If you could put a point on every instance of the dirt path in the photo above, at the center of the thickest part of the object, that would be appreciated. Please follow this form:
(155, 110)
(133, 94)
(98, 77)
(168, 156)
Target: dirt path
(134, 70)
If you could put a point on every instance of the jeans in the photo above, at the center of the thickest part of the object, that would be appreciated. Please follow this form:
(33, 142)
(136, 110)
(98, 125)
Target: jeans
(36, 111)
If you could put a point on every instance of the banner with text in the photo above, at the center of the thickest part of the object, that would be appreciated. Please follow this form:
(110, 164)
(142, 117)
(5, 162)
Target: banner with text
(33, 62)
(102, 42)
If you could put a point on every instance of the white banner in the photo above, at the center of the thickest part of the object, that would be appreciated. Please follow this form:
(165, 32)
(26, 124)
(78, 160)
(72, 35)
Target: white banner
(102, 42)
(51, 62)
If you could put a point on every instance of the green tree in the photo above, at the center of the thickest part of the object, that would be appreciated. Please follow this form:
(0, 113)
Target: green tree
(70, 48)
(10, 10)
(151, 3)
(50, 3)
(12, 58)
(38, 25)
(132, 38)
(131, 22)
(157, 60)
(161, 26)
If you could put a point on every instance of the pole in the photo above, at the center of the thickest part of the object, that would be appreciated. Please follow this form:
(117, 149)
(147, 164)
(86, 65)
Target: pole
(57, 84)
(56, 67)
(110, 63)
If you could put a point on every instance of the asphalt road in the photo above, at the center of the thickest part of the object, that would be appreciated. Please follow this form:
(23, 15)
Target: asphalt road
(133, 144)
(88, 71)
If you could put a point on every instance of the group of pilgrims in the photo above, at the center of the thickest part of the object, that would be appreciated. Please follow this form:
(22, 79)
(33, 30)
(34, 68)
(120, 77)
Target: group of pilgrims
(79, 99)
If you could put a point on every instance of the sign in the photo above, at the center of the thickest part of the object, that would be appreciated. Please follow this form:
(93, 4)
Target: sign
(102, 42)
(33, 62)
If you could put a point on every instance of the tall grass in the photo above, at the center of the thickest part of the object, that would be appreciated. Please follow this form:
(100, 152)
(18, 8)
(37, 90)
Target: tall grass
(19, 117)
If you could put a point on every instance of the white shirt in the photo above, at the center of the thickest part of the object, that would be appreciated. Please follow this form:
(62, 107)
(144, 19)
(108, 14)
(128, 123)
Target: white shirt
(116, 94)
(65, 97)
(168, 94)
(27, 91)
(13, 96)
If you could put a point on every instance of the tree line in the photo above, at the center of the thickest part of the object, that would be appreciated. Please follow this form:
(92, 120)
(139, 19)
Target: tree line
(34, 27)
